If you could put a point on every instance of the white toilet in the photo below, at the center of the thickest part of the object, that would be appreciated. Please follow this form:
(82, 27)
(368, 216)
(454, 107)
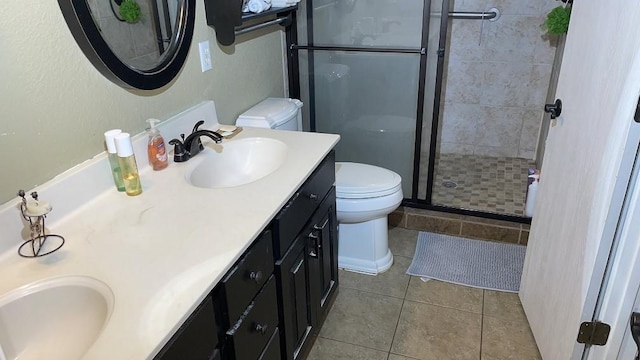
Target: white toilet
(365, 194)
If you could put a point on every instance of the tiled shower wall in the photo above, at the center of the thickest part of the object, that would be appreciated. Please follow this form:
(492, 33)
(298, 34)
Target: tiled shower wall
(496, 79)
(134, 44)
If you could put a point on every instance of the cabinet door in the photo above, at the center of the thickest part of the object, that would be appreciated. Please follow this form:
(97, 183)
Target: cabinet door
(322, 240)
(295, 317)
(196, 339)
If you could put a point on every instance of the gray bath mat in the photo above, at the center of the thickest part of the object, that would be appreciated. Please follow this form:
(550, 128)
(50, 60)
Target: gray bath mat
(481, 264)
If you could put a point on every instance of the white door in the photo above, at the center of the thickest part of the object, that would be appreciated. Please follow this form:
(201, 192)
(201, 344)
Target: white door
(585, 172)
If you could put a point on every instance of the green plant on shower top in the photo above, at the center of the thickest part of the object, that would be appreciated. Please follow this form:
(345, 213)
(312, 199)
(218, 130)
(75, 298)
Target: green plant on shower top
(557, 21)
(130, 11)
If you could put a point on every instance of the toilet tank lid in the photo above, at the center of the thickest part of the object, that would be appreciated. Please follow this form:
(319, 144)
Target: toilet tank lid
(359, 181)
(270, 113)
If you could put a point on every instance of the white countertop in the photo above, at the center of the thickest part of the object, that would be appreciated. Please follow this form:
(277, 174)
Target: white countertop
(163, 251)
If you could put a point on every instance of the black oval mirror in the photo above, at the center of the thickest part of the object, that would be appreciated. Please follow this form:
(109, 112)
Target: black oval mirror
(143, 45)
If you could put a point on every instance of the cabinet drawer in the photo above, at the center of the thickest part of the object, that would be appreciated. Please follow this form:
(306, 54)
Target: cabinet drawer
(252, 332)
(295, 214)
(246, 278)
(272, 350)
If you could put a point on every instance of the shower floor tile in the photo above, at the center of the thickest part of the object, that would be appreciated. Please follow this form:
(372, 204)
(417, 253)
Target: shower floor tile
(490, 184)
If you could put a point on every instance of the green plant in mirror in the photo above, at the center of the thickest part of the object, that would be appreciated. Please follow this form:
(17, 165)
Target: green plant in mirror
(557, 21)
(130, 11)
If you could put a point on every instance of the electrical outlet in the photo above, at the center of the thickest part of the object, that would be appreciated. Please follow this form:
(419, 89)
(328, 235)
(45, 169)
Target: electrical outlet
(205, 56)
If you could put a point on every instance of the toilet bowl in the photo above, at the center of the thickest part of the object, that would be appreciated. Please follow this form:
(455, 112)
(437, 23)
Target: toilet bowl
(365, 194)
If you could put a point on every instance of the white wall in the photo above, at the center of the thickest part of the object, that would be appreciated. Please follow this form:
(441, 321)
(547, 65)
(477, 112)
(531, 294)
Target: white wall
(55, 106)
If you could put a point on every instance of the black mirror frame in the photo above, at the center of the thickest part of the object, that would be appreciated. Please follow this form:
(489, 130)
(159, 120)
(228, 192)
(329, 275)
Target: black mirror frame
(83, 28)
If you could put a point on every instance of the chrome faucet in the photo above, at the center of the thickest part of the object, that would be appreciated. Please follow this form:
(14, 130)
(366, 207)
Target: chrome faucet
(192, 145)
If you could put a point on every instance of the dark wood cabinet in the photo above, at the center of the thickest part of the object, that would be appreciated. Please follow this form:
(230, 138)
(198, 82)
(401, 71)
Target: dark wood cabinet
(196, 339)
(322, 240)
(305, 234)
(273, 301)
(249, 336)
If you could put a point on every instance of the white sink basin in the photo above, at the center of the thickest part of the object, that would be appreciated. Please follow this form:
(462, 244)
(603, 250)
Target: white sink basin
(236, 162)
(58, 318)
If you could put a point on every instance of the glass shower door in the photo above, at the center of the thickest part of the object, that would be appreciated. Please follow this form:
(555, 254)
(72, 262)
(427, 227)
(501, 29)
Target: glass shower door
(360, 65)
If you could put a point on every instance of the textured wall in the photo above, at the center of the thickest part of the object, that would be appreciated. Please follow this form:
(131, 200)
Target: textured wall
(55, 106)
(497, 77)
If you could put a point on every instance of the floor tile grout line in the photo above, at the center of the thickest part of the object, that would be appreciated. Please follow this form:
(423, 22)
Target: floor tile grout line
(372, 292)
(348, 343)
(395, 330)
(442, 306)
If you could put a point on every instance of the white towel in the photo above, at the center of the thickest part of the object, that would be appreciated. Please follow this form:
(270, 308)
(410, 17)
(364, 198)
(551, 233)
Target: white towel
(283, 3)
(257, 6)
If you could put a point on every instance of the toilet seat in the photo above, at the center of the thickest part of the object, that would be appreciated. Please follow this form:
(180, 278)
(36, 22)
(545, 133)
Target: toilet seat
(363, 181)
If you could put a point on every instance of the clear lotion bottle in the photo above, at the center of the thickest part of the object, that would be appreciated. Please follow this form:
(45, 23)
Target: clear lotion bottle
(113, 158)
(128, 164)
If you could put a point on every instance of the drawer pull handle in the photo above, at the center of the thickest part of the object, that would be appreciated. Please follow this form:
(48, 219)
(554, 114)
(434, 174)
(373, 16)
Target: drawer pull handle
(312, 236)
(321, 227)
(256, 276)
(262, 329)
(313, 196)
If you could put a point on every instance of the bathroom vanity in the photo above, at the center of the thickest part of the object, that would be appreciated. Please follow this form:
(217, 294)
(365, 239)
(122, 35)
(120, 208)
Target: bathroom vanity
(237, 272)
(271, 304)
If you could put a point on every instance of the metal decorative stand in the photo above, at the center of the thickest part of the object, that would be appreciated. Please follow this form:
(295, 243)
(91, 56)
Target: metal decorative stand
(34, 212)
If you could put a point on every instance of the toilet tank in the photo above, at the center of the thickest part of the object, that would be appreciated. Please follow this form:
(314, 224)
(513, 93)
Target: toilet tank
(274, 113)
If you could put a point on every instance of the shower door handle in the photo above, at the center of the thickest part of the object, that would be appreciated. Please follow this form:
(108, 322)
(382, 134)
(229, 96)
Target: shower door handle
(634, 325)
(554, 109)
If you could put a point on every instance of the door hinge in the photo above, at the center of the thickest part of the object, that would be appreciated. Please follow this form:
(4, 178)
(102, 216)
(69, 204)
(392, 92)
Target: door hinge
(593, 333)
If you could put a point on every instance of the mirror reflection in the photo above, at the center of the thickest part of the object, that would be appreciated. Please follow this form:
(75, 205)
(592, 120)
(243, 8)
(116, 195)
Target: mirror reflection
(139, 32)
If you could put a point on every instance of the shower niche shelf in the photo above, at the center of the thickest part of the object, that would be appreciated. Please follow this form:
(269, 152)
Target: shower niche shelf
(228, 20)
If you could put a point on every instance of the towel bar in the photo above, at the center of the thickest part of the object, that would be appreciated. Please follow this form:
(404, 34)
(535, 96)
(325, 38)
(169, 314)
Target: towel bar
(244, 30)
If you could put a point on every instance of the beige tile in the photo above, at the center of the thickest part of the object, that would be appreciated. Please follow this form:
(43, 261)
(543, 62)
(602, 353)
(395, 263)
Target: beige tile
(487, 232)
(432, 213)
(362, 318)
(392, 282)
(501, 127)
(524, 237)
(325, 349)
(430, 332)
(444, 294)
(503, 305)
(399, 357)
(459, 123)
(493, 222)
(397, 219)
(433, 224)
(402, 242)
(507, 339)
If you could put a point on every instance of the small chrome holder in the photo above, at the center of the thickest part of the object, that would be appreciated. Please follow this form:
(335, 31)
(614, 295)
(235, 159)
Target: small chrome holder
(39, 243)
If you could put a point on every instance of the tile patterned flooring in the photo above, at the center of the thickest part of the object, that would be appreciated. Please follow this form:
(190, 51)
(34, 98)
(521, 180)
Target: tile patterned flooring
(491, 184)
(394, 316)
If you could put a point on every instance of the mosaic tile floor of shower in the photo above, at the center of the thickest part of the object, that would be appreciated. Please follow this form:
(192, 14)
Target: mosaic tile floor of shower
(491, 184)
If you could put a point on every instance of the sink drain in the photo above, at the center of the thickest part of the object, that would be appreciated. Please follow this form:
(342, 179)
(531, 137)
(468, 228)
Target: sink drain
(450, 184)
